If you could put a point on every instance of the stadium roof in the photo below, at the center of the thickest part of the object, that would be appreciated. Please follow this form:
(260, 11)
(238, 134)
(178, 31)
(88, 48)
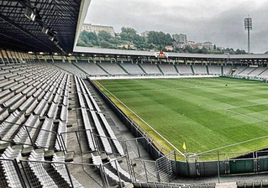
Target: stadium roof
(41, 25)
(102, 51)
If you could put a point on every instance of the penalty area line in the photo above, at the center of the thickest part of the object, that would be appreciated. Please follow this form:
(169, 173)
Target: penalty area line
(141, 119)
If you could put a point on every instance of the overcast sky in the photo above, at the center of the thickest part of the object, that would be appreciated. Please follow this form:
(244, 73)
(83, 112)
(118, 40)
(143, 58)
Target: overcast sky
(218, 21)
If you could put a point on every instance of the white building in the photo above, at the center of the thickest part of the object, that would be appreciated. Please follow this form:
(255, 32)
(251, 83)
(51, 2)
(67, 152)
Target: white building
(181, 38)
(97, 28)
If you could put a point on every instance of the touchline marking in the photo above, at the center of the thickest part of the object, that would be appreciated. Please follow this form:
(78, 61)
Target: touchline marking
(246, 106)
(254, 139)
(262, 121)
(142, 119)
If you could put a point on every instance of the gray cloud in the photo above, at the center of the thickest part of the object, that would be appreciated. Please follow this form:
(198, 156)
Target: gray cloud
(220, 22)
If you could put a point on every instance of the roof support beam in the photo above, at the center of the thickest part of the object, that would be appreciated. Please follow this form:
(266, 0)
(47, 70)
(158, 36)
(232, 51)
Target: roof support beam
(22, 30)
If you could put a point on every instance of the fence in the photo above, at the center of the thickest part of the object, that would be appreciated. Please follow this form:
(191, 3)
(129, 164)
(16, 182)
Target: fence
(37, 174)
(28, 135)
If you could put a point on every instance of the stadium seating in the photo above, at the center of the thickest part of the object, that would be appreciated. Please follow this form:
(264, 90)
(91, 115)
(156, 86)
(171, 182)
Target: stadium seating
(214, 69)
(239, 69)
(200, 69)
(86, 101)
(226, 69)
(61, 169)
(132, 69)
(150, 68)
(9, 169)
(70, 68)
(39, 170)
(257, 71)
(168, 69)
(91, 69)
(38, 92)
(264, 74)
(247, 71)
(98, 162)
(113, 68)
(184, 69)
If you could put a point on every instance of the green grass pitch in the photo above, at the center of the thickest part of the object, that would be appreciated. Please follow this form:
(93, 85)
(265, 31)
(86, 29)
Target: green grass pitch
(204, 113)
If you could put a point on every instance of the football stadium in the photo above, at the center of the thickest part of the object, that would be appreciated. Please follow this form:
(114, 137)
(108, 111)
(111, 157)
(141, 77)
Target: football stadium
(74, 116)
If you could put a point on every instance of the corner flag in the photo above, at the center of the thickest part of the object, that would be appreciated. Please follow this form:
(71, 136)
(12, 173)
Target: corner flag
(184, 146)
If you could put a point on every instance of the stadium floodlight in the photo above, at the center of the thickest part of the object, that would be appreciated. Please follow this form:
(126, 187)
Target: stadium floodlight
(55, 53)
(45, 30)
(29, 13)
(56, 42)
(248, 26)
(41, 53)
(30, 52)
(51, 37)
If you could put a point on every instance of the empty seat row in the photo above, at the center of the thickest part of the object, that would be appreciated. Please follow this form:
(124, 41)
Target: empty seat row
(10, 172)
(61, 136)
(39, 170)
(98, 162)
(43, 139)
(26, 132)
(62, 170)
(98, 118)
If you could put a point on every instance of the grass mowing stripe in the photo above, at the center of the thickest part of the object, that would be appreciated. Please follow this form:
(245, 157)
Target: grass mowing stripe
(193, 110)
(142, 120)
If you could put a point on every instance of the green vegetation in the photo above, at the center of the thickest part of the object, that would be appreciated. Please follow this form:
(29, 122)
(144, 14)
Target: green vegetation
(204, 113)
(129, 39)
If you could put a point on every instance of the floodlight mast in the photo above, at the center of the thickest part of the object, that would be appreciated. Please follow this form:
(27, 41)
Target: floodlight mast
(248, 26)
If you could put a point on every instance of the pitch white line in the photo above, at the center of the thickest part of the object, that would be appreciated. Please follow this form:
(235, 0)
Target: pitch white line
(244, 115)
(233, 145)
(246, 106)
(142, 120)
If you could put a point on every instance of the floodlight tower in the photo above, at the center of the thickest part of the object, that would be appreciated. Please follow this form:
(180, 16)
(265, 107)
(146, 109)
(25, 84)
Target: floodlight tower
(248, 26)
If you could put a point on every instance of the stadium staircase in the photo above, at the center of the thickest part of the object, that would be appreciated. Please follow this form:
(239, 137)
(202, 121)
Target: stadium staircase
(103, 68)
(192, 69)
(79, 68)
(207, 69)
(160, 69)
(176, 69)
(263, 71)
(142, 69)
(123, 68)
(252, 71)
(242, 70)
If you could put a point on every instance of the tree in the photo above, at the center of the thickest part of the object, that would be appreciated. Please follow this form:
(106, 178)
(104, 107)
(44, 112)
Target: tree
(105, 35)
(105, 44)
(81, 43)
(159, 38)
(128, 30)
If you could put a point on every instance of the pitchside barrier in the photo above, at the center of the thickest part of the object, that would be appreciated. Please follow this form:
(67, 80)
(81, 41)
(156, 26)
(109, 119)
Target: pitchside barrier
(194, 165)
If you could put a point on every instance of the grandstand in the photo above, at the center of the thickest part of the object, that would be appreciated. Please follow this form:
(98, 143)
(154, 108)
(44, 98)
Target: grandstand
(59, 128)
